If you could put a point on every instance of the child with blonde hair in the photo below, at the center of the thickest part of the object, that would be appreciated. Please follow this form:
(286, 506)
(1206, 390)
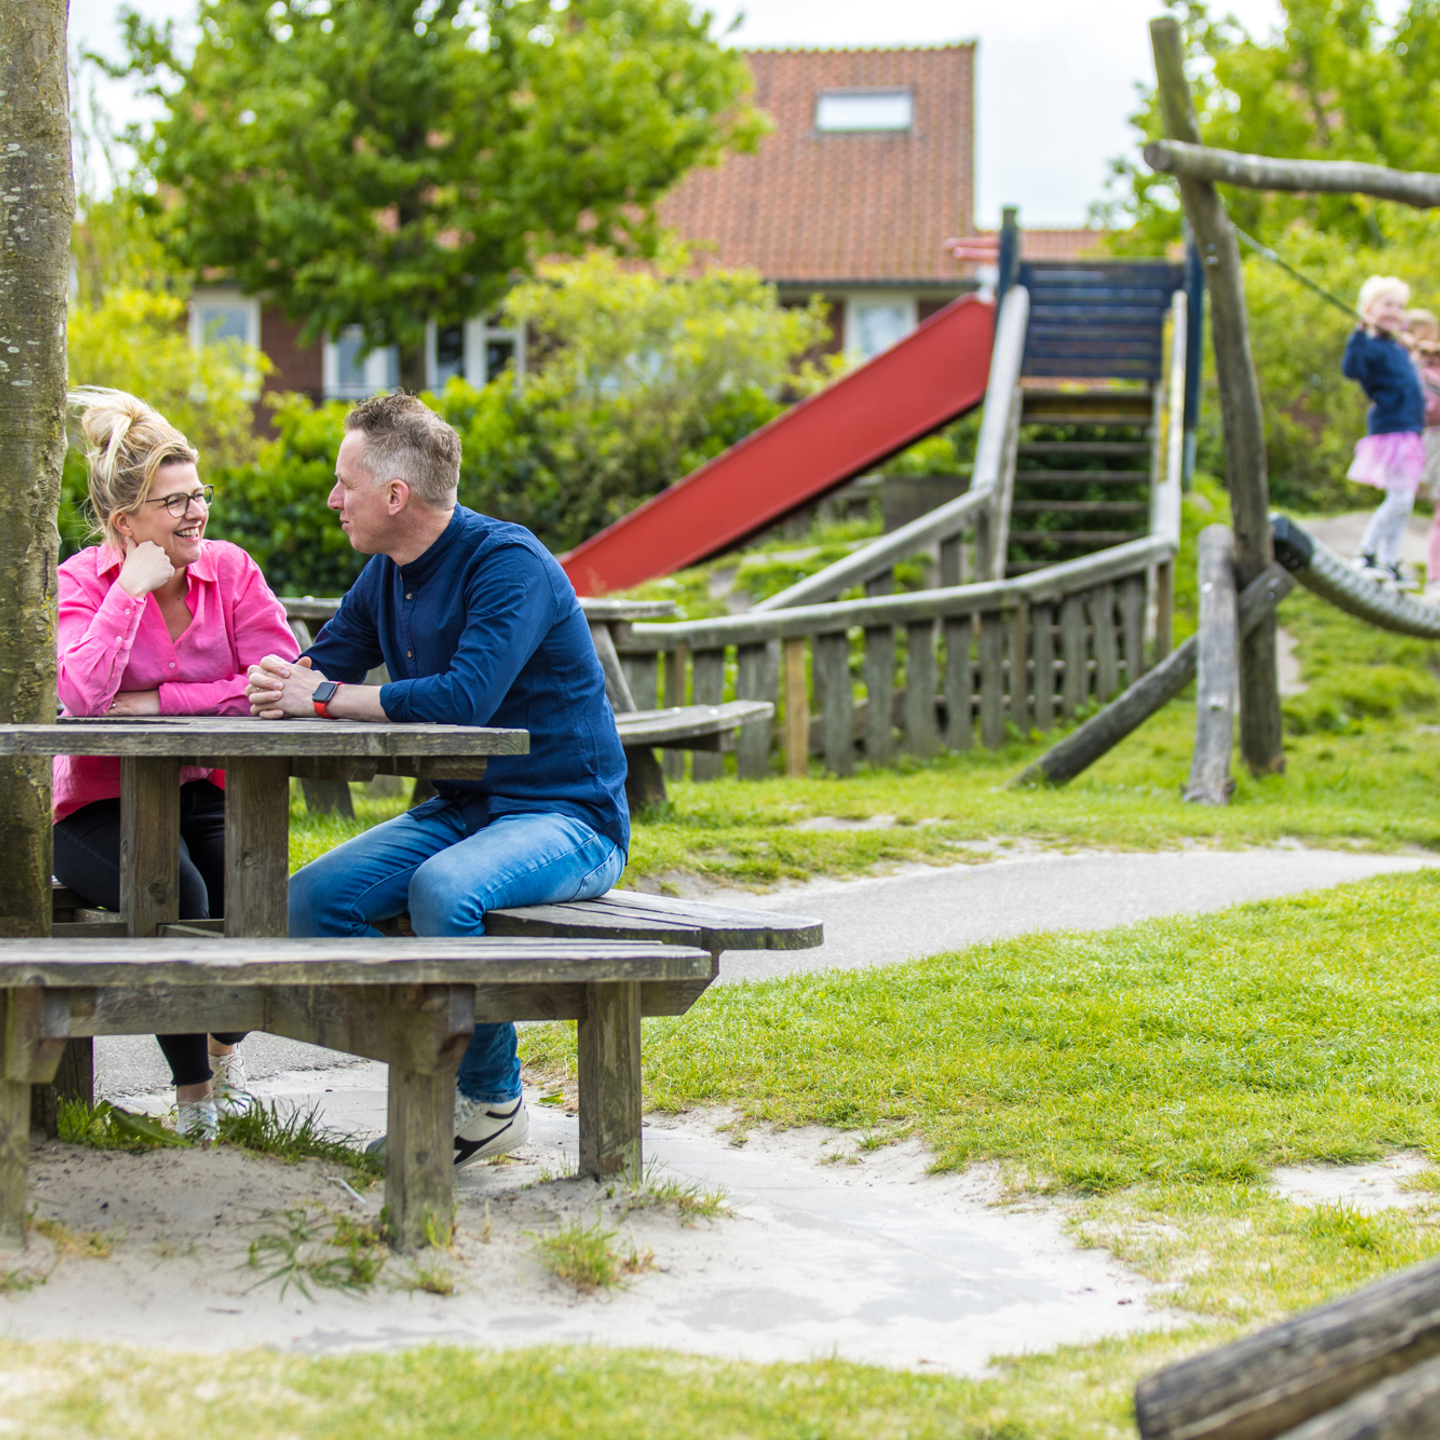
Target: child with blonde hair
(1391, 455)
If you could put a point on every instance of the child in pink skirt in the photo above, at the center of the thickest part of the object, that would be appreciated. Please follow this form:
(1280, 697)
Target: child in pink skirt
(1392, 455)
(1422, 338)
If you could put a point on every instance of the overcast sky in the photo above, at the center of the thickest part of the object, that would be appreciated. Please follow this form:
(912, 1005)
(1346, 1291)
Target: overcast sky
(1056, 77)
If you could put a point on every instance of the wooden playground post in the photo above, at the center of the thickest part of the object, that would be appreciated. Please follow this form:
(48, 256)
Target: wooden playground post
(1210, 782)
(1261, 741)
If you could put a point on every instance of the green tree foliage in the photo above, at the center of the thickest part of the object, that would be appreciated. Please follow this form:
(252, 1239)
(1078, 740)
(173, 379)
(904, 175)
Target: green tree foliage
(641, 375)
(1331, 83)
(127, 329)
(380, 164)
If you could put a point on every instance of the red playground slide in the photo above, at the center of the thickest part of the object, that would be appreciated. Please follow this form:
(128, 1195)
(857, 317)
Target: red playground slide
(933, 376)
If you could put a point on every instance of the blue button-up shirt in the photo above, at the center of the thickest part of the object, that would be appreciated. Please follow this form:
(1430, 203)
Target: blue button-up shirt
(484, 629)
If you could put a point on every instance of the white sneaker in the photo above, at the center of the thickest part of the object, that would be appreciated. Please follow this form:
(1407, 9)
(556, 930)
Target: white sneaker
(198, 1119)
(228, 1083)
(481, 1130)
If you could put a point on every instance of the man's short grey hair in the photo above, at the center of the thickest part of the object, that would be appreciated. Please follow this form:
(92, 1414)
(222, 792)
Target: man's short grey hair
(406, 440)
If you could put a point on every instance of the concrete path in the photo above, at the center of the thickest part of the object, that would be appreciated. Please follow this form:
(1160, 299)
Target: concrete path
(1343, 534)
(925, 911)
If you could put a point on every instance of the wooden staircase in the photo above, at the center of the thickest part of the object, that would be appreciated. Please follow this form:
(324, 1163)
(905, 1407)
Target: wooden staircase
(1087, 457)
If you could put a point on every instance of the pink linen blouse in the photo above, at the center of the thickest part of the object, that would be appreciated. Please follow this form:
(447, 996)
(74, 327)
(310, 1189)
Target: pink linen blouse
(109, 641)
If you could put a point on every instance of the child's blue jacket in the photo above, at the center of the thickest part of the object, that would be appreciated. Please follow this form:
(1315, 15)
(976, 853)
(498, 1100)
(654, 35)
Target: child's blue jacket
(1388, 376)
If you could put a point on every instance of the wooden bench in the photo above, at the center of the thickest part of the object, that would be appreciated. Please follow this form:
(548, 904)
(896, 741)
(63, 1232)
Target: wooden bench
(412, 1003)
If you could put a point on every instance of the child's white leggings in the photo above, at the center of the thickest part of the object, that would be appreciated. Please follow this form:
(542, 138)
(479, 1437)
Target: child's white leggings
(1387, 527)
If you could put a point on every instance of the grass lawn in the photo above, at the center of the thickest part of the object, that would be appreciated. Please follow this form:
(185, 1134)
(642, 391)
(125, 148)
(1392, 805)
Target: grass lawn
(1150, 1078)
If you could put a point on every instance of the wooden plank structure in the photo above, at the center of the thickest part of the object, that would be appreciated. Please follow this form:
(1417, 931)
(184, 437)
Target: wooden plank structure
(1366, 1365)
(411, 1003)
(1217, 661)
(1261, 740)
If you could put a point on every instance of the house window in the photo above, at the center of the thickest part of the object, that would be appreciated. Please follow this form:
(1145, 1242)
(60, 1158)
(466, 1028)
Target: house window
(221, 317)
(351, 374)
(875, 325)
(841, 110)
(476, 351)
(449, 355)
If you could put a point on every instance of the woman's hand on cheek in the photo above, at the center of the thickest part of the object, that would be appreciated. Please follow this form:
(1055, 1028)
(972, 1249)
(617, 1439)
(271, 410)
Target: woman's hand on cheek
(135, 702)
(147, 567)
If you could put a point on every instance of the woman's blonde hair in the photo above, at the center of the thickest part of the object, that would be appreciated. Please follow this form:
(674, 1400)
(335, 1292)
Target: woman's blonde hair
(126, 442)
(1378, 285)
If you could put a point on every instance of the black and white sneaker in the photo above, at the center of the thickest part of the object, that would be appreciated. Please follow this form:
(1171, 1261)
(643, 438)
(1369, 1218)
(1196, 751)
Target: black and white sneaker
(481, 1130)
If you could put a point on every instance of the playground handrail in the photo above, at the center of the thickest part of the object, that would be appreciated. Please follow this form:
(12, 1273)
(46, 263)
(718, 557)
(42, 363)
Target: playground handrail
(1053, 583)
(994, 453)
(1165, 497)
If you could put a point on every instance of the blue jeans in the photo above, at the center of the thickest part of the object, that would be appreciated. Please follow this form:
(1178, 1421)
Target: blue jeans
(440, 863)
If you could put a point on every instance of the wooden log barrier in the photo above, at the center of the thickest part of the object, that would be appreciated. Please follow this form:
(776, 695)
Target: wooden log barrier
(1217, 663)
(1404, 1407)
(1267, 1384)
(1101, 733)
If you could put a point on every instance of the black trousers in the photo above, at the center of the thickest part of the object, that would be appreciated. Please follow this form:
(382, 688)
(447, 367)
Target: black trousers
(87, 859)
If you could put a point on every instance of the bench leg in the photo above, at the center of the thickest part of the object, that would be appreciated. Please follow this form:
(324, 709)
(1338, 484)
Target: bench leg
(609, 1045)
(14, 1128)
(420, 1158)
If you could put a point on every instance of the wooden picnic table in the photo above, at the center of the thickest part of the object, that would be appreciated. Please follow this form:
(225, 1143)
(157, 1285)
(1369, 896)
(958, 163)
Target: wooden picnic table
(410, 1002)
(258, 757)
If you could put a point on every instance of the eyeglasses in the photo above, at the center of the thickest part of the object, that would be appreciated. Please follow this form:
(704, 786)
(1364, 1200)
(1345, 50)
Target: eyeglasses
(179, 505)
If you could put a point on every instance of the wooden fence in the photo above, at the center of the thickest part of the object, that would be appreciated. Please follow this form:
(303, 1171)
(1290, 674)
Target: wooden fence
(937, 668)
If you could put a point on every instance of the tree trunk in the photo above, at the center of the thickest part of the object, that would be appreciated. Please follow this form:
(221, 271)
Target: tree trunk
(1261, 742)
(37, 208)
(35, 219)
(412, 368)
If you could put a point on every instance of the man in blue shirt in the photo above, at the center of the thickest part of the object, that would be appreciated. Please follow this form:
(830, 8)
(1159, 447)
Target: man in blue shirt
(477, 625)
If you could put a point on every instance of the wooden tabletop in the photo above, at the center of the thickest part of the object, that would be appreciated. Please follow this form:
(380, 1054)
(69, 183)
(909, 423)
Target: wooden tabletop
(346, 960)
(187, 736)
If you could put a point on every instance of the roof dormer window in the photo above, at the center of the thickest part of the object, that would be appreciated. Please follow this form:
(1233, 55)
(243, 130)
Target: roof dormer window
(851, 110)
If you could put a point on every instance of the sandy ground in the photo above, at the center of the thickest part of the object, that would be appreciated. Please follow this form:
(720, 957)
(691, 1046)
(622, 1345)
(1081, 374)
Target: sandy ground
(874, 1260)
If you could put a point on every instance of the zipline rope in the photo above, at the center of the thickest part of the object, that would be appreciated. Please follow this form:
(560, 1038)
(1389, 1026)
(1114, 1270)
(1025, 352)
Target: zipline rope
(1290, 270)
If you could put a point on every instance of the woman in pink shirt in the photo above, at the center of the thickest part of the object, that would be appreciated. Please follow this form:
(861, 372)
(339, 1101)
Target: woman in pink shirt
(156, 620)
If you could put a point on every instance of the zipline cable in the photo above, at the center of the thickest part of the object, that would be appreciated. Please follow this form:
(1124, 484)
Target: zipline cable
(1290, 270)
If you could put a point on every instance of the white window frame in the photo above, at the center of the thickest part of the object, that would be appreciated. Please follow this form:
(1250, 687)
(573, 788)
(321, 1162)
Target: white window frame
(381, 369)
(854, 301)
(231, 299)
(879, 93)
(478, 333)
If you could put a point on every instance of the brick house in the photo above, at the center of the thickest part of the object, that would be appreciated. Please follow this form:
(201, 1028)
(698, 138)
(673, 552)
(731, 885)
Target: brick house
(868, 171)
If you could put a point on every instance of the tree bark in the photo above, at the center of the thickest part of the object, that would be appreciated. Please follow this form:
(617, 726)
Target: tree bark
(1265, 172)
(1261, 742)
(37, 209)
(1219, 633)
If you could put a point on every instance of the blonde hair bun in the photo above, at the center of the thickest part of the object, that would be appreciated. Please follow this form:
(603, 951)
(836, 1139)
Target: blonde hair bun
(126, 442)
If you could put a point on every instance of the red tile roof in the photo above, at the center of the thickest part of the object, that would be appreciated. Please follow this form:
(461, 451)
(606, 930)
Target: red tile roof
(844, 207)
(1060, 244)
